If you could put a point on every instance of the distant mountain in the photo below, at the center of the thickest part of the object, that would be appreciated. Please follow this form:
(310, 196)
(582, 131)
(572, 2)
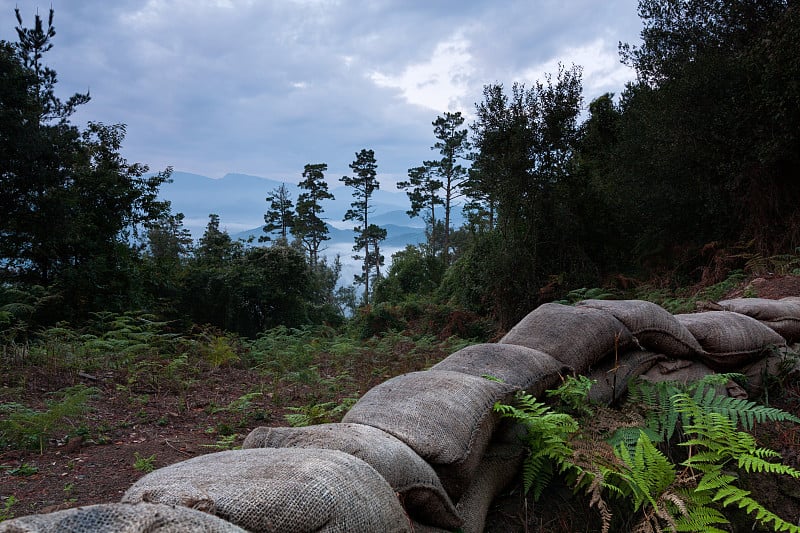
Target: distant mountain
(240, 202)
(396, 236)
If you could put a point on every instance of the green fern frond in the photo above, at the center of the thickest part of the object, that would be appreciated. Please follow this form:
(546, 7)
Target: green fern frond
(730, 495)
(547, 438)
(660, 414)
(754, 463)
(629, 436)
(649, 472)
(701, 519)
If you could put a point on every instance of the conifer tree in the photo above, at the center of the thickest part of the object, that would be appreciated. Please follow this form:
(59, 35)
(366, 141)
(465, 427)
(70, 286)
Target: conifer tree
(280, 215)
(368, 236)
(309, 227)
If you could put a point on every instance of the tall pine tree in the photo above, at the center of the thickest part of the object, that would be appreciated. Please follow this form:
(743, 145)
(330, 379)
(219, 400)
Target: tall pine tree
(309, 227)
(368, 236)
(280, 215)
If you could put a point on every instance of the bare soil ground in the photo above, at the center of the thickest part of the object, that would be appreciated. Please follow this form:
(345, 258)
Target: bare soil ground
(167, 426)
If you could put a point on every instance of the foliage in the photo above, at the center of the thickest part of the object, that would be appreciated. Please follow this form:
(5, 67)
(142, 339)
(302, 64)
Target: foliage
(252, 291)
(630, 468)
(319, 413)
(411, 275)
(572, 394)
(686, 300)
(5, 511)
(309, 226)
(24, 427)
(54, 175)
(697, 133)
(144, 464)
(279, 217)
(547, 436)
(422, 190)
(522, 168)
(368, 236)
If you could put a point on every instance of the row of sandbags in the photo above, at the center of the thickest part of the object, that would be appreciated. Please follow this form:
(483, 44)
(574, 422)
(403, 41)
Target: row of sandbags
(425, 451)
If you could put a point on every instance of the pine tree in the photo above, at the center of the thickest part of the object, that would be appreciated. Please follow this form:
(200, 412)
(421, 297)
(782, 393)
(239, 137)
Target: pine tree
(423, 192)
(452, 145)
(368, 236)
(309, 227)
(279, 217)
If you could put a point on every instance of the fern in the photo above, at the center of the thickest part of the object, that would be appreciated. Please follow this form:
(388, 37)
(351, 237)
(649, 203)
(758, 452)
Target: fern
(547, 437)
(22, 427)
(648, 472)
(715, 443)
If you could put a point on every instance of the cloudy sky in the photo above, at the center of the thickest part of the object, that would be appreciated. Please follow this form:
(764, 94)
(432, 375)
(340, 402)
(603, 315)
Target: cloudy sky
(263, 87)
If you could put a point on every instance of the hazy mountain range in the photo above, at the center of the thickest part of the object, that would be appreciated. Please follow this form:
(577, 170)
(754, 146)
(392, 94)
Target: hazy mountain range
(240, 202)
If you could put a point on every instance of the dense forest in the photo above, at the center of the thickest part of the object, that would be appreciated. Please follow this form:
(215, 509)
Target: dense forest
(688, 173)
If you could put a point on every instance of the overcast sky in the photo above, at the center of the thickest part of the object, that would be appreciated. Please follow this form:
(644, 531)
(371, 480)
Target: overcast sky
(263, 87)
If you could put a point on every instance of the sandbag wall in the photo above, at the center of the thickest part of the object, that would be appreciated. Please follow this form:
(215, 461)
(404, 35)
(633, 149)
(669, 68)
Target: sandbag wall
(424, 451)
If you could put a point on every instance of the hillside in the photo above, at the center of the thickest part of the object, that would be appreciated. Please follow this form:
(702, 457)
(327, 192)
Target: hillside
(152, 408)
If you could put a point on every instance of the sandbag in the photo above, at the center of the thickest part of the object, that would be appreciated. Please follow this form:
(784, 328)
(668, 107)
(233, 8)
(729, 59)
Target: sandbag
(730, 340)
(782, 316)
(613, 374)
(530, 370)
(446, 417)
(654, 328)
(418, 485)
(685, 372)
(679, 370)
(278, 490)
(121, 518)
(769, 371)
(501, 464)
(576, 336)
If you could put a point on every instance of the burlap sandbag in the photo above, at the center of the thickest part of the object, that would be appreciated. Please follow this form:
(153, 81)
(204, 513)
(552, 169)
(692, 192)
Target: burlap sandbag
(420, 490)
(446, 417)
(782, 316)
(287, 489)
(576, 336)
(654, 327)
(685, 372)
(730, 340)
(499, 467)
(613, 374)
(679, 370)
(526, 368)
(770, 371)
(121, 518)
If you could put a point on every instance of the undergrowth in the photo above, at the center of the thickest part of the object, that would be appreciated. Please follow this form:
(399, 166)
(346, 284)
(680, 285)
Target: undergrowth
(629, 474)
(27, 428)
(315, 372)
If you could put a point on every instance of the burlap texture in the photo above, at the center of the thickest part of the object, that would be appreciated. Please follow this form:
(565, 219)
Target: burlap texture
(766, 372)
(526, 368)
(679, 370)
(121, 518)
(280, 490)
(576, 336)
(498, 468)
(446, 417)
(420, 490)
(684, 372)
(613, 374)
(782, 316)
(654, 328)
(730, 340)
